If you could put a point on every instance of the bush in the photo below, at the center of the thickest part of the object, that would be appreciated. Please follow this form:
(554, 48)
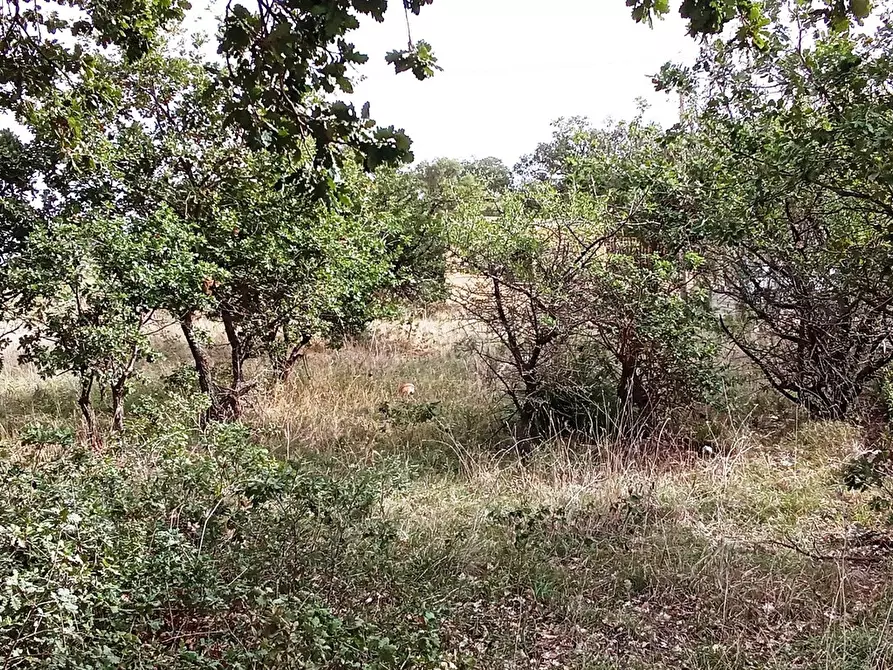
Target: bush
(583, 325)
(188, 553)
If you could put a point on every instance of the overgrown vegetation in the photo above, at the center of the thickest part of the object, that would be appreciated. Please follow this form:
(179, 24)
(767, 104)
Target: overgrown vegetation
(272, 399)
(191, 550)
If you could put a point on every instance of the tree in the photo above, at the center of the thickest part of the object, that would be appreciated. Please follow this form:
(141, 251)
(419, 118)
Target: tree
(491, 172)
(245, 243)
(42, 47)
(576, 306)
(275, 258)
(411, 215)
(84, 270)
(531, 302)
(84, 289)
(146, 151)
(19, 169)
(817, 310)
(572, 139)
(796, 209)
(281, 54)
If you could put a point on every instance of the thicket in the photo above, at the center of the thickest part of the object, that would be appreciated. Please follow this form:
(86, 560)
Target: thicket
(636, 272)
(189, 549)
(159, 213)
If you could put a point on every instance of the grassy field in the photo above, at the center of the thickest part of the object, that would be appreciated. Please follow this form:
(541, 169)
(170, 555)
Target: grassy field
(749, 555)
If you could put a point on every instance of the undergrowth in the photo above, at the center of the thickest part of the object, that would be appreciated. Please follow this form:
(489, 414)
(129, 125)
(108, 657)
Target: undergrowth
(191, 550)
(342, 526)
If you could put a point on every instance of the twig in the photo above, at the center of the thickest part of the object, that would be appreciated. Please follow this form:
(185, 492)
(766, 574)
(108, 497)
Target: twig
(196, 633)
(793, 546)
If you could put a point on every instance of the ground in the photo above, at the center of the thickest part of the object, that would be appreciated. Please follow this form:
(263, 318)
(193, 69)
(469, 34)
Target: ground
(750, 554)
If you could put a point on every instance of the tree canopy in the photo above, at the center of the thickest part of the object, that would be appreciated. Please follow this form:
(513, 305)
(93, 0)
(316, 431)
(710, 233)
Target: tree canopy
(283, 63)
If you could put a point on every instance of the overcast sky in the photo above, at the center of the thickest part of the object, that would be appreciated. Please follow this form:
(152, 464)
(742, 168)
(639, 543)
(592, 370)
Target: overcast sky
(511, 67)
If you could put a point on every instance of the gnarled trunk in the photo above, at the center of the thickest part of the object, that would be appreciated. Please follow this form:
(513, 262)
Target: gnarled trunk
(630, 389)
(237, 358)
(202, 364)
(119, 391)
(89, 416)
(287, 365)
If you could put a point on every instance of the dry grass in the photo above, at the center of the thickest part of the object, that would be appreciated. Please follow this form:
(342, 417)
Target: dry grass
(587, 555)
(670, 564)
(584, 557)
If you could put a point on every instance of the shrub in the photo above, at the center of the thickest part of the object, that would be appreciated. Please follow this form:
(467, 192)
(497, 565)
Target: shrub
(580, 322)
(190, 554)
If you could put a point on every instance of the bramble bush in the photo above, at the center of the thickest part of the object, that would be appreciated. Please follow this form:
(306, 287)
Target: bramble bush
(188, 550)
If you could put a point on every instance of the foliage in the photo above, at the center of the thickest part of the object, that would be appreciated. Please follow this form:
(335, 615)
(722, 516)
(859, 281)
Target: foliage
(408, 216)
(155, 556)
(572, 139)
(284, 60)
(491, 172)
(869, 470)
(794, 208)
(82, 289)
(158, 187)
(40, 435)
(18, 168)
(815, 107)
(753, 19)
(409, 413)
(281, 56)
(171, 214)
(33, 59)
(572, 304)
(449, 186)
(607, 234)
(279, 59)
(815, 311)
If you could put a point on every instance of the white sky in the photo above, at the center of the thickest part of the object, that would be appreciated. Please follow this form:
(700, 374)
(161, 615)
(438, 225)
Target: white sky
(511, 67)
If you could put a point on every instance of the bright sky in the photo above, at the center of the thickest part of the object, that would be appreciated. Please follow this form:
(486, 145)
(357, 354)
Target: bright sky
(511, 67)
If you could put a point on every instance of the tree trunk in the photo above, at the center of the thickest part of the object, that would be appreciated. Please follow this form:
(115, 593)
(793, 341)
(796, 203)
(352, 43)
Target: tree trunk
(526, 431)
(119, 390)
(632, 392)
(529, 429)
(287, 365)
(237, 356)
(118, 393)
(202, 367)
(630, 389)
(86, 407)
